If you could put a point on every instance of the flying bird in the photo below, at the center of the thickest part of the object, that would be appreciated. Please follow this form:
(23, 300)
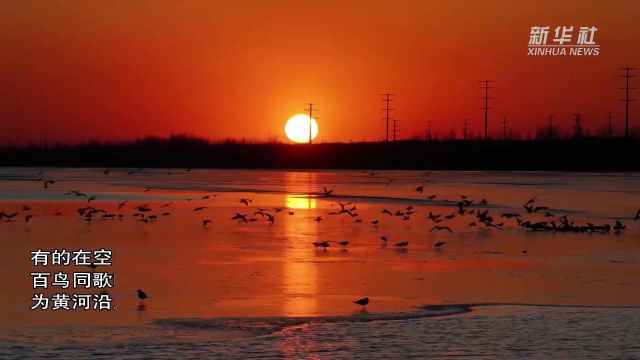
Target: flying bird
(246, 201)
(401, 244)
(239, 216)
(343, 243)
(439, 244)
(206, 222)
(437, 227)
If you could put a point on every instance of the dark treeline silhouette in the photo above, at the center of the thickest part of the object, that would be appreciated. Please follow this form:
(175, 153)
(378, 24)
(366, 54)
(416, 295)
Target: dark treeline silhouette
(580, 154)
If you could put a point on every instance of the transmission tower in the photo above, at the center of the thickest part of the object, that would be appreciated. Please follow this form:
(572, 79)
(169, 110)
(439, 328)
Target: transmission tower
(486, 107)
(627, 75)
(386, 98)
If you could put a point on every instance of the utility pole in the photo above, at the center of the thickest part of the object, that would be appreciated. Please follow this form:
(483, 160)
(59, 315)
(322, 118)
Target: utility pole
(386, 98)
(310, 111)
(550, 130)
(466, 128)
(609, 127)
(627, 75)
(395, 129)
(504, 128)
(577, 127)
(486, 108)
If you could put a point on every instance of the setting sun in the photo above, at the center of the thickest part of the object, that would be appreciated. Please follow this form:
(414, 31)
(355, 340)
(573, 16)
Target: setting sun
(297, 128)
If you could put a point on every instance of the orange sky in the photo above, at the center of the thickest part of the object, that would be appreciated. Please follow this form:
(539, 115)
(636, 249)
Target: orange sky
(79, 70)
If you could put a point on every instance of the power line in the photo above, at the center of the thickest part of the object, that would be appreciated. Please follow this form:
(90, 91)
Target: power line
(627, 76)
(486, 108)
(387, 100)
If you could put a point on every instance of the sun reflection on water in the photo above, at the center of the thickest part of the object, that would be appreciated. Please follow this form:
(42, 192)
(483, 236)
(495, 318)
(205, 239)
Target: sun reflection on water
(300, 272)
(300, 202)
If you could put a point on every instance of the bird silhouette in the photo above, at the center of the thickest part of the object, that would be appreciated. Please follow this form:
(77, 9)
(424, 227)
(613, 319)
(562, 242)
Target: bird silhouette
(271, 218)
(375, 222)
(239, 216)
(441, 228)
(362, 302)
(439, 245)
(206, 222)
(327, 192)
(401, 244)
(246, 201)
(142, 296)
(8, 216)
(343, 243)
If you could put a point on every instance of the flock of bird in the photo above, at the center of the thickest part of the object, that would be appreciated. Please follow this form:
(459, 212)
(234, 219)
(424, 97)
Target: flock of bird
(534, 217)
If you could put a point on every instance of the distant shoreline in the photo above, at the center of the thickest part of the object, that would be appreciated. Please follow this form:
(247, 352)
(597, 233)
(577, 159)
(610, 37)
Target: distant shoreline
(585, 154)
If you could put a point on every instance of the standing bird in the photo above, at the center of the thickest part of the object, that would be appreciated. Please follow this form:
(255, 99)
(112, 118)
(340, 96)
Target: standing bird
(363, 302)
(141, 295)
